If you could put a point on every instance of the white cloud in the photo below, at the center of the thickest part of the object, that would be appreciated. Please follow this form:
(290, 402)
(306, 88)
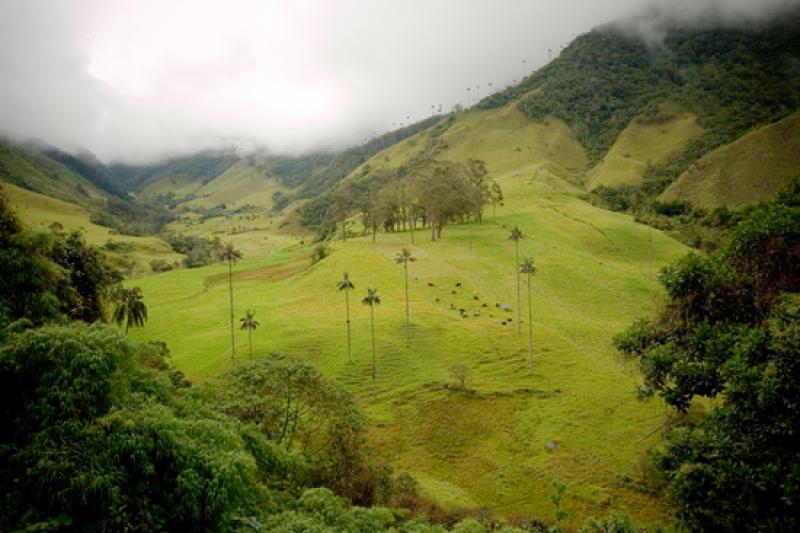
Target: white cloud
(137, 80)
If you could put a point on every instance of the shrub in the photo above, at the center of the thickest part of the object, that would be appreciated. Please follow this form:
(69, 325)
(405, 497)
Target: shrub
(319, 252)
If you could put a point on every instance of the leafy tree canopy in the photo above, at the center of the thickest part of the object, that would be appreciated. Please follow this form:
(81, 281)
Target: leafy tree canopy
(729, 330)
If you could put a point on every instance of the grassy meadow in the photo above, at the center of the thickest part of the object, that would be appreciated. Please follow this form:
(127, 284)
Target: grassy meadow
(487, 447)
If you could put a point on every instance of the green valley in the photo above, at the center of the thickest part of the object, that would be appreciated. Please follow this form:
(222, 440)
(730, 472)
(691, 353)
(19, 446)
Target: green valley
(655, 187)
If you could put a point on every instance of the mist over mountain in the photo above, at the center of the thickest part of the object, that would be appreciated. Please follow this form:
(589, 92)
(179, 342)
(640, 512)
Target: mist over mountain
(138, 82)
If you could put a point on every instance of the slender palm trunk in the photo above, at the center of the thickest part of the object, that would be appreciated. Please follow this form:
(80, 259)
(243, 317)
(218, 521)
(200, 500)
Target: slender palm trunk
(405, 268)
(372, 318)
(230, 290)
(344, 224)
(347, 308)
(250, 340)
(469, 224)
(530, 325)
(519, 324)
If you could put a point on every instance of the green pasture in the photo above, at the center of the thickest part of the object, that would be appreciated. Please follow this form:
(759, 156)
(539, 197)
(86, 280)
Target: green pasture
(483, 448)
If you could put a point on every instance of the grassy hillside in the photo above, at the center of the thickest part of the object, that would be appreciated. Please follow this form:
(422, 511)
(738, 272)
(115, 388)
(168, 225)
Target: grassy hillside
(38, 173)
(240, 184)
(592, 282)
(646, 140)
(744, 172)
(485, 448)
(504, 138)
(38, 211)
(731, 78)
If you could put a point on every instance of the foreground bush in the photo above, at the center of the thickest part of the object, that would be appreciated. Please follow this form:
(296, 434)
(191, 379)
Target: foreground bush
(94, 437)
(730, 331)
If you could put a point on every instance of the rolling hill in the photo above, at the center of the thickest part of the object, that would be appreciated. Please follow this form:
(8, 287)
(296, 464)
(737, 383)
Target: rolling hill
(645, 141)
(748, 170)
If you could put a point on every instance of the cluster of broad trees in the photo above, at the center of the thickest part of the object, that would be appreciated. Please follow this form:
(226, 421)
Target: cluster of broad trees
(427, 196)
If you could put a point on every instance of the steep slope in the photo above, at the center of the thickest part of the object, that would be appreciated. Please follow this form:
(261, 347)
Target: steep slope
(746, 171)
(511, 143)
(731, 78)
(41, 174)
(85, 164)
(132, 254)
(504, 138)
(179, 176)
(646, 140)
(241, 184)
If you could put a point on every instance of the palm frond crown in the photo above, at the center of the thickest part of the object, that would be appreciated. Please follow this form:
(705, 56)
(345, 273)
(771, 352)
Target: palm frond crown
(345, 284)
(528, 266)
(371, 298)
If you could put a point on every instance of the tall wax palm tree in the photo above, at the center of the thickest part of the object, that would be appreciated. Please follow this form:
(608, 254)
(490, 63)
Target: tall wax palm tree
(372, 299)
(130, 308)
(529, 269)
(516, 236)
(249, 323)
(346, 285)
(404, 257)
(231, 255)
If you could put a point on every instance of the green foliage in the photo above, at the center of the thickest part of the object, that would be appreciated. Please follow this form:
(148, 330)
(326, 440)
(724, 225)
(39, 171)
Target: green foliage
(618, 524)
(203, 166)
(130, 309)
(319, 252)
(321, 209)
(45, 276)
(94, 433)
(730, 328)
(199, 251)
(559, 513)
(292, 405)
(87, 165)
(159, 265)
(295, 171)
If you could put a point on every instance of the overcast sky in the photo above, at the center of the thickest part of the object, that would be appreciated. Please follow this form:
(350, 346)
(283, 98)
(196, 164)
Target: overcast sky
(136, 80)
